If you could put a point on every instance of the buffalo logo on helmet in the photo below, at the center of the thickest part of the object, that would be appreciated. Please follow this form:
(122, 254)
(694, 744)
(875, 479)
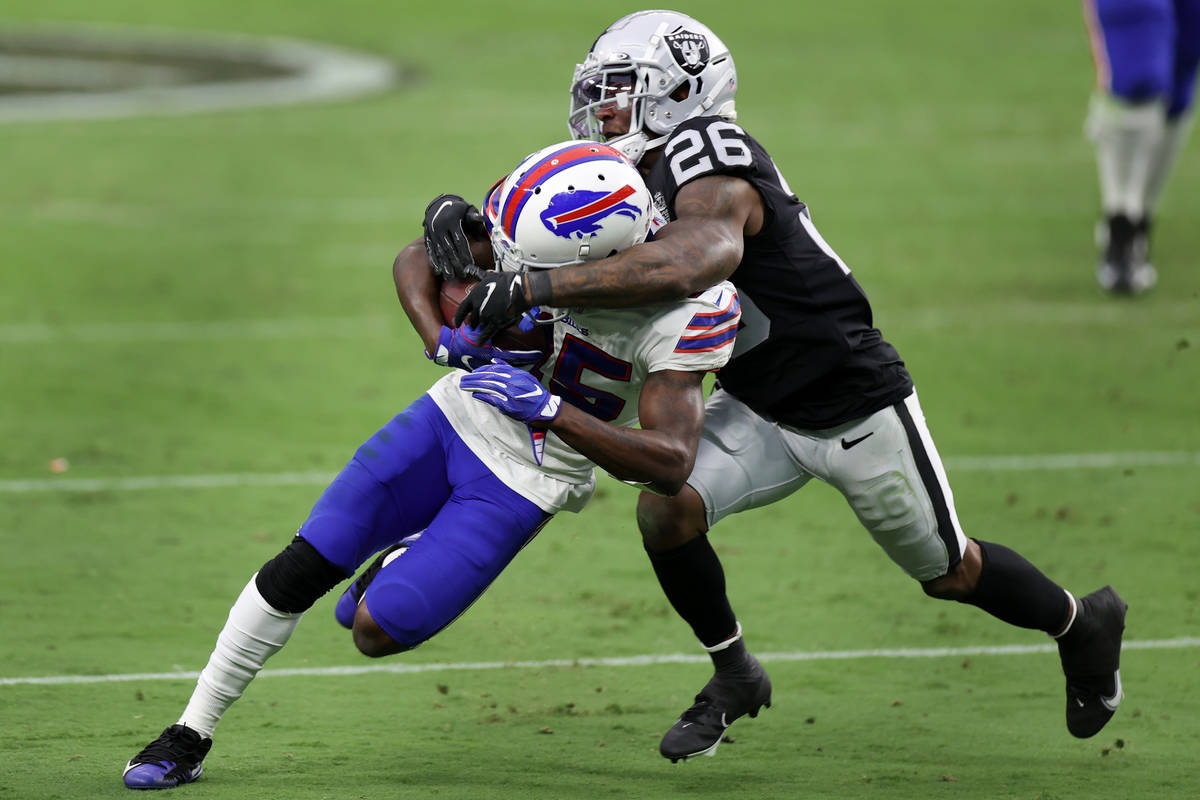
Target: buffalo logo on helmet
(581, 213)
(690, 51)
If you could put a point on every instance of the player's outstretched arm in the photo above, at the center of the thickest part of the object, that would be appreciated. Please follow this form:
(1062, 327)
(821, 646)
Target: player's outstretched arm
(700, 248)
(659, 454)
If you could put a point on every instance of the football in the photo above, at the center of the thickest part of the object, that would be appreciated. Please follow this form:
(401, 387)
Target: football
(450, 294)
(453, 291)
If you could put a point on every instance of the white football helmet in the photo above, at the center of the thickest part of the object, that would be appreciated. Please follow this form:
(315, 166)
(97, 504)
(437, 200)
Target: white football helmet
(664, 64)
(567, 203)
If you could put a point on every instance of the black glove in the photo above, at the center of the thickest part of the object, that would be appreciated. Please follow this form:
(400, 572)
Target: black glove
(449, 223)
(494, 303)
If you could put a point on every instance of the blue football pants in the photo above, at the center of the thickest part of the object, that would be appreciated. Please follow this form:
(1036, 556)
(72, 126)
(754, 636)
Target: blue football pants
(415, 474)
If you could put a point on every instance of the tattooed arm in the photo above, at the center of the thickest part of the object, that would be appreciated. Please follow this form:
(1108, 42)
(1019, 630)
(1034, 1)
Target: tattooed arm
(701, 247)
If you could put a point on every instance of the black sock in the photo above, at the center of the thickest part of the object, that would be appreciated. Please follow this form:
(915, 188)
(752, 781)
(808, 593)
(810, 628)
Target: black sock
(1015, 591)
(693, 580)
(732, 658)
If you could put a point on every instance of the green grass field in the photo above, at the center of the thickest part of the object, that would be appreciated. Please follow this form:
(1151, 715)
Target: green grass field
(210, 295)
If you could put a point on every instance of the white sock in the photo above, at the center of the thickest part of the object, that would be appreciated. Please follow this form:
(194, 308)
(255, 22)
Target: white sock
(1174, 135)
(1128, 139)
(253, 633)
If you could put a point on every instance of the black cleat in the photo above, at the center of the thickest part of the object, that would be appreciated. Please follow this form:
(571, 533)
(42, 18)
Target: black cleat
(1091, 659)
(169, 761)
(1124, 266)
(699, 730)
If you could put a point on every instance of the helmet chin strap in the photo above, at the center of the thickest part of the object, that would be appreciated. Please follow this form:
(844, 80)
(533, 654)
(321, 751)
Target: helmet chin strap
(710, 98)
(632, 145)
(635, 145)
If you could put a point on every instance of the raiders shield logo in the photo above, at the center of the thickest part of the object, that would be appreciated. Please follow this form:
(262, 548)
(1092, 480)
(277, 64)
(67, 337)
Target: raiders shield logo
(690, 51)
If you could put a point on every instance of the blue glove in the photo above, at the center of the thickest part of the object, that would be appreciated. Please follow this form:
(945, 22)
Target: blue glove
(514, 391)
(465, 348)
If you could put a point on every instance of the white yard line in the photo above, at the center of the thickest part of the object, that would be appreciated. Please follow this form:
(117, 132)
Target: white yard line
(1059, 461)
(621, 661)
(1049, 461)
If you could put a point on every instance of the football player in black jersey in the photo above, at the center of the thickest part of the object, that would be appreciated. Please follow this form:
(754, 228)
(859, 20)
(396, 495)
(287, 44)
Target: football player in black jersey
(813, 389)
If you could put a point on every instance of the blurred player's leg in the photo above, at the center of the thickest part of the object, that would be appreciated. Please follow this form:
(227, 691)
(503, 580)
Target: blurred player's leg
(1175, 136)
(1180, 101)
(1133, 48)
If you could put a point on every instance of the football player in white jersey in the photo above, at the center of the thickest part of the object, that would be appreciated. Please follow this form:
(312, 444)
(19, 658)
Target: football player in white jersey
(452, 488)
(813, 390)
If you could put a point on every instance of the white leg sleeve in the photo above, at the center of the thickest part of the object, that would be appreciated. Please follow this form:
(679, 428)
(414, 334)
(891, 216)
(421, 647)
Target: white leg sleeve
(253, 633)
(1175, 134)
(1127, 139)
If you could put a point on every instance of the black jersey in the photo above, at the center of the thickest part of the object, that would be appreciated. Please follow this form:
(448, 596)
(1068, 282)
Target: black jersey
(807, 351)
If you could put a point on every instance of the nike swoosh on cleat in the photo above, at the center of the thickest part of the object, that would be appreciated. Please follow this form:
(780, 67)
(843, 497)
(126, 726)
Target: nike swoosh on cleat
(847, 445)
(685, 725)
(1111, 703)
(1079, 702)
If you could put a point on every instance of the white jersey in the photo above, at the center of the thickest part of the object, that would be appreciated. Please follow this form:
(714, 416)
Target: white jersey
(600, 360)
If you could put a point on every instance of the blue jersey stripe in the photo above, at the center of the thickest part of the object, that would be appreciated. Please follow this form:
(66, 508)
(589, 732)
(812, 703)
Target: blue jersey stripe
(709, 341)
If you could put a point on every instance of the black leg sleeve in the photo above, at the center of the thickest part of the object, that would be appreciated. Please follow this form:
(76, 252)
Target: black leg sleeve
(1015, 591)
(693, 580)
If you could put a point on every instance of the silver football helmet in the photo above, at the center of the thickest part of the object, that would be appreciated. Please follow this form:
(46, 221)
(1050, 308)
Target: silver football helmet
(665, 66)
